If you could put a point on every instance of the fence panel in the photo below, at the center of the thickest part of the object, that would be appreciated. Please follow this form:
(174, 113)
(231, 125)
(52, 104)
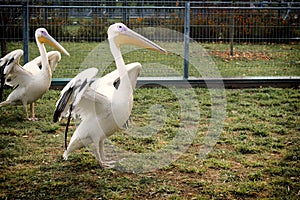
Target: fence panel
(242, 40)
(247, 39)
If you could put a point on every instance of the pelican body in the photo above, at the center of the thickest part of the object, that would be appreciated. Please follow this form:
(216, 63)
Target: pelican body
(104, 105)
(33, 80)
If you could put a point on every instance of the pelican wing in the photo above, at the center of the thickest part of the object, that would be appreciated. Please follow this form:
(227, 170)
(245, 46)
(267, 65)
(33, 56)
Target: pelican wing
(90, 103)
(94, 96)
(72, 93)
(13, 56)
(35, 65)
(113, 78)
(12, 71)
(8, 62)
(53, 57)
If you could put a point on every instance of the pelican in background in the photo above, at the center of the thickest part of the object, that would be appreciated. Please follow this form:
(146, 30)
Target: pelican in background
(32, 80)
(33, 66)
(104, 105)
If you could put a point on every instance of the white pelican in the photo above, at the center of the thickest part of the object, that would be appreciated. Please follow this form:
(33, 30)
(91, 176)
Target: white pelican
(104, 104)
(35, 66)
(33, 80)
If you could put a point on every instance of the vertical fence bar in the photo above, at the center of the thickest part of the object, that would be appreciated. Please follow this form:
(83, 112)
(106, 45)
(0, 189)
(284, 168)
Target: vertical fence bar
(25, 32)
(125, 12)
(45, 17)
(186, 40)
(231, 31)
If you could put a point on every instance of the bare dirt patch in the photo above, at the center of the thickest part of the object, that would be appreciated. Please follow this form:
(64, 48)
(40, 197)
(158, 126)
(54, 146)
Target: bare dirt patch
(241, 55)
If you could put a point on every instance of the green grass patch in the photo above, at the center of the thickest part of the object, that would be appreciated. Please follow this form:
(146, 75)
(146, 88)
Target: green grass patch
(255, 157)
(248, 59)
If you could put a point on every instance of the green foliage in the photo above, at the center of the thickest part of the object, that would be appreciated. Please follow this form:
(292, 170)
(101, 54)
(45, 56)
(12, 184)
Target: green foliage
(56, 26)
(92, 30)
(249, 25)
(244, 25)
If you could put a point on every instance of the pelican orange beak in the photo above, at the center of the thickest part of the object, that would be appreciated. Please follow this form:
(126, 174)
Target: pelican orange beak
(128, 36)
(46, 38)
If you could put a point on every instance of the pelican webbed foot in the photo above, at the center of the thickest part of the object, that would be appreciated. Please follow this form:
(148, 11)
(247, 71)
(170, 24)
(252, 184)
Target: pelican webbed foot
(33, 119)
(107, 164)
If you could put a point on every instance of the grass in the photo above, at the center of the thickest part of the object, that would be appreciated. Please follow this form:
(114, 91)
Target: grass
(248, 59)
(255, 157)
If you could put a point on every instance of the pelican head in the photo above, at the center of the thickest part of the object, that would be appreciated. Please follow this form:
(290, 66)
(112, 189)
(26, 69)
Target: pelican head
(42, 36)
(121, 34)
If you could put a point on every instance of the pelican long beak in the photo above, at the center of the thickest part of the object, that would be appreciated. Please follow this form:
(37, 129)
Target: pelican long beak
(131, 37)
(46, 38)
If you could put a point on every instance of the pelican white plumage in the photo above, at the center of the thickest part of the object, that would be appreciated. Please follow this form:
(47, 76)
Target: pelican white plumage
(35, 65)
(104, 104)
(33, 80)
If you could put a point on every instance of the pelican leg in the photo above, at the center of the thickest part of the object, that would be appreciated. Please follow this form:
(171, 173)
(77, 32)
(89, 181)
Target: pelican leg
(74, 144)
(98, 156)
(26, 111)
(99, 151)
(32, 112)
(101, 148)
(32, 118)
(5, 103)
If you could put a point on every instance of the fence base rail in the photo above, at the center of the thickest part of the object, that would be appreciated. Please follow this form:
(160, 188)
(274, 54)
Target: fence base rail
(194, 82)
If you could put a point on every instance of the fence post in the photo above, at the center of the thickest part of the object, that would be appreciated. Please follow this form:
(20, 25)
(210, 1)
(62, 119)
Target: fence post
(45, 17)
(25, 32)
(231, 31)
(125, 12)
(186, 40)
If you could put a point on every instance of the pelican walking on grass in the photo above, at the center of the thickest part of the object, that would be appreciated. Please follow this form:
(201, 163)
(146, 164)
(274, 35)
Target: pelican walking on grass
(104, 105)
(32, 80)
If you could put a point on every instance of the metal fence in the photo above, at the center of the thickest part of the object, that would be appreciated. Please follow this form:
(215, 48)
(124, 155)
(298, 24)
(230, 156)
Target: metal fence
(241, 39)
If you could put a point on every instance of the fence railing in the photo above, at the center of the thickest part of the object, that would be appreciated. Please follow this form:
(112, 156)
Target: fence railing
(241, 39)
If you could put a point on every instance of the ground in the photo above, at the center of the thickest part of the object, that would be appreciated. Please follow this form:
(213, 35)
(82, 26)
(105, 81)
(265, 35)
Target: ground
(256, 155)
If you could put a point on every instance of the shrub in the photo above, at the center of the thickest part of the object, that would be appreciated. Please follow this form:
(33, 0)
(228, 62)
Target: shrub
(249, 25)
(93, 29)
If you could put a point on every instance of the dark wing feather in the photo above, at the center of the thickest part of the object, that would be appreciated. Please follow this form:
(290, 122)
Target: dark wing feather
(2, 78)
(5, 62)
(62, 104)
(73, 92)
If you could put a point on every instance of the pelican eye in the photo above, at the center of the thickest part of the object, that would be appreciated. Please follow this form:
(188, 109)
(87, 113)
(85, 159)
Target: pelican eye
(121, 28)
(43, 32)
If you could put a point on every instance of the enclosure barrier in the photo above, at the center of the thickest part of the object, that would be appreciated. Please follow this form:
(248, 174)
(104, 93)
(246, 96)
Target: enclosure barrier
(252, 45)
